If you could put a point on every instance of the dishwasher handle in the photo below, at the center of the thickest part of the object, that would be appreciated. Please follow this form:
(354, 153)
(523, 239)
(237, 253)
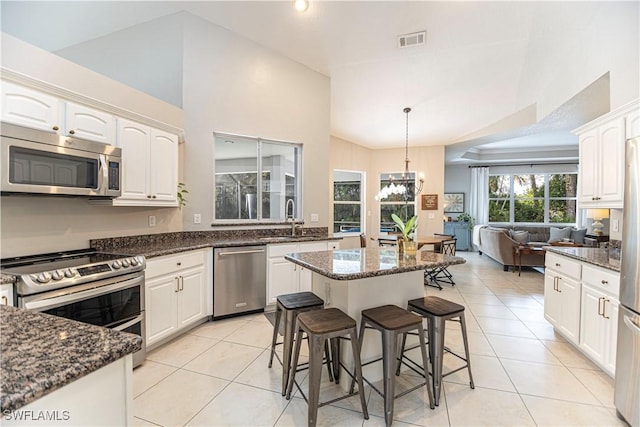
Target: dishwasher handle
(255, 251)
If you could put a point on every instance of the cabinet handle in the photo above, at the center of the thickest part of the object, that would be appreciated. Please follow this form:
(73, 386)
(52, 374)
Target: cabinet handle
(148, 196)
(153, 197)
(604, 305)
(181, 283)
(72, 132)
(56, 128)
(178, 264)
(177, 285)
(604, 282)
(600, 309)
(559, 290)
(5, 300)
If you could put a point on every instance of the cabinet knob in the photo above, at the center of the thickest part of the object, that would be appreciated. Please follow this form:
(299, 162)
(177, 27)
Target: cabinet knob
(604, 282)
(153, 197)
(557, 264)
(72, 132)
(56, 128)
(178, 264)
(148, 196)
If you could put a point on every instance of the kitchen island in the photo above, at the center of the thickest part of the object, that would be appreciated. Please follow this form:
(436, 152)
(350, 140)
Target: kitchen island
(57, 371)
(356, 279)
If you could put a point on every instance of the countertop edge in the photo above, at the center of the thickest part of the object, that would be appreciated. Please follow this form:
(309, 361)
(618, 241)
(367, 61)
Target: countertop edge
(571, 253)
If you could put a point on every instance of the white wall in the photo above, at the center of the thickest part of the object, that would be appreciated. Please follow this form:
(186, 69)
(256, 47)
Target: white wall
(31, 225)
(233, 85)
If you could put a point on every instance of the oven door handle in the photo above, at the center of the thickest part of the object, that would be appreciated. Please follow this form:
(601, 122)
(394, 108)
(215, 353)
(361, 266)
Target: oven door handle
(48, 303)
(128, 323)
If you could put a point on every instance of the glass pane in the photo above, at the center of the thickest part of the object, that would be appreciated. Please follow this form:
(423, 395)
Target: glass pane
(529, 210)
(236, 196)
(562, 211)
(404, 211)
(386, 179)
(528, 185)
(346, 218)
(346, 191)
(499, 210)
(279, 180)
(499, 186)
(563, 185)
(236, 178)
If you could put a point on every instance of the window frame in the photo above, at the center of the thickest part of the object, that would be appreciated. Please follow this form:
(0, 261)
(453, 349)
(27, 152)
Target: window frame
(512, 198)
(362, 203)
(298, 170)
(382, 203)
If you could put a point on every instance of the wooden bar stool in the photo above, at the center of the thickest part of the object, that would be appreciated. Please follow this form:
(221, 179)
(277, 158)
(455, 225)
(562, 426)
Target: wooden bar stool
(291, 305)
(320, 326)
(392, 321)
(437, 310)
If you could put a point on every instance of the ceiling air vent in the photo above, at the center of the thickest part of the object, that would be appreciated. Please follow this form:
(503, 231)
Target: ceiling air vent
(413, 39)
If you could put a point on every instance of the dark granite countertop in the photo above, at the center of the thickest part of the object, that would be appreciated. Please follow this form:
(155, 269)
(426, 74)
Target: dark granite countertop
(40, 353)
(7, 278)
(350, 264)
(153, 245)
(599, 257)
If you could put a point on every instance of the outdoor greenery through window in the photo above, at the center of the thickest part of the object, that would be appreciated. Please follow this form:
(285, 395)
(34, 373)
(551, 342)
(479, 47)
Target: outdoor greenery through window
(243, 193)
(348, 204)
(533, 198)
(396, 203)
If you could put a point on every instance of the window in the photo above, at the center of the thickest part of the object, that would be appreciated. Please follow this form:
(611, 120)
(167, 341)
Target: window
(533, 198)
(396, 203)
(348, 203)
(243, 193)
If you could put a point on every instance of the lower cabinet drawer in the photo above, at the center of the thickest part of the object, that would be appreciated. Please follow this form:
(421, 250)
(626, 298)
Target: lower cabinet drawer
(599, 278)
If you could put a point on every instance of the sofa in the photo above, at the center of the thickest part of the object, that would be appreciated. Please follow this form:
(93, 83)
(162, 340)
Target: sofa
(499, 242)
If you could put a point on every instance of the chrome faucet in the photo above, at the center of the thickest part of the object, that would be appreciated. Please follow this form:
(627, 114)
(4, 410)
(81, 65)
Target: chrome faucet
(292, 217)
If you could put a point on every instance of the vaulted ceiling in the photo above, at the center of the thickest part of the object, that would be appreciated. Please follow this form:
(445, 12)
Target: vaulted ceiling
(489, 72)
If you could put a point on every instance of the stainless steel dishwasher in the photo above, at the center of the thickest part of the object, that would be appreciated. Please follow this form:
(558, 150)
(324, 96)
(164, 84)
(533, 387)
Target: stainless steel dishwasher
(239, 280)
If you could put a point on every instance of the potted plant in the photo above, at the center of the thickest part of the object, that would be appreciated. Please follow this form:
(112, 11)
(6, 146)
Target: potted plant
(406, 229)
(465, 217)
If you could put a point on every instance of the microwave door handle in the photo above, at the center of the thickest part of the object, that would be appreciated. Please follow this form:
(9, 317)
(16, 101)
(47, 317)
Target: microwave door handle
(103, 175)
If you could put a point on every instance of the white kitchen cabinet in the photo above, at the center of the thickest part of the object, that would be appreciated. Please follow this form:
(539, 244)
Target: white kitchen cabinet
(149, 165)
(31, 108)
(601, 176)
(562, 295)
(178, 293)
(285, 277)
(633, 124)
(599, 327)
(6, 294)
(88, 123)
(599, 316)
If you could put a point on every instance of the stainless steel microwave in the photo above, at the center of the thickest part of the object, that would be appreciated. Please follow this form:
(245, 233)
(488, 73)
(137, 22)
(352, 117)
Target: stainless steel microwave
(38, 162)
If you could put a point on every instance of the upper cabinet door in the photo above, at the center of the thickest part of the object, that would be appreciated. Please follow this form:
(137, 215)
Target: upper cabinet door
(589, 170)
(164, 166)
(28, 107)
(633, 124)
(134, 139)
(612, 162)
(87, 123)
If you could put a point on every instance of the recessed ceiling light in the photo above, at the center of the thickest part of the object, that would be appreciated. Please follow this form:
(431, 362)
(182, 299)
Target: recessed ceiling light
(301, 5)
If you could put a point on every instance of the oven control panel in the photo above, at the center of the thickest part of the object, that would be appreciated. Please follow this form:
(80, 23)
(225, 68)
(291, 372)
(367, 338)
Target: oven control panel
(90, 270)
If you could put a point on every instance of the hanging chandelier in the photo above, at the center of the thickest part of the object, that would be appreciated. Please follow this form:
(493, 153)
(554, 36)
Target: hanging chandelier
(402, 187)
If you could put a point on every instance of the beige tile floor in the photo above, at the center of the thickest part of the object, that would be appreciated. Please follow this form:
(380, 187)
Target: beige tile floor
(525, 374)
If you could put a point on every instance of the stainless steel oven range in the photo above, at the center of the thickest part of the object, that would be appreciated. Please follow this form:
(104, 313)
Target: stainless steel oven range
(84, 285)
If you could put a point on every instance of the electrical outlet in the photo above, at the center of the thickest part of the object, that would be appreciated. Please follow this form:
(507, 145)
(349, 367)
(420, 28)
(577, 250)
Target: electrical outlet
(152, 220)
(197, 218)
(315, 217)
(615, 225)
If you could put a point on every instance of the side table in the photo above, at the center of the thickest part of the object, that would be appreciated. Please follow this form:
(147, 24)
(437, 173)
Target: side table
(518, 251)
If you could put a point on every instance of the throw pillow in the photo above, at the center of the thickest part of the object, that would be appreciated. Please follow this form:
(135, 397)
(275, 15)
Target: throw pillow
(578, 235)
(557, 234)
(519, 236)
